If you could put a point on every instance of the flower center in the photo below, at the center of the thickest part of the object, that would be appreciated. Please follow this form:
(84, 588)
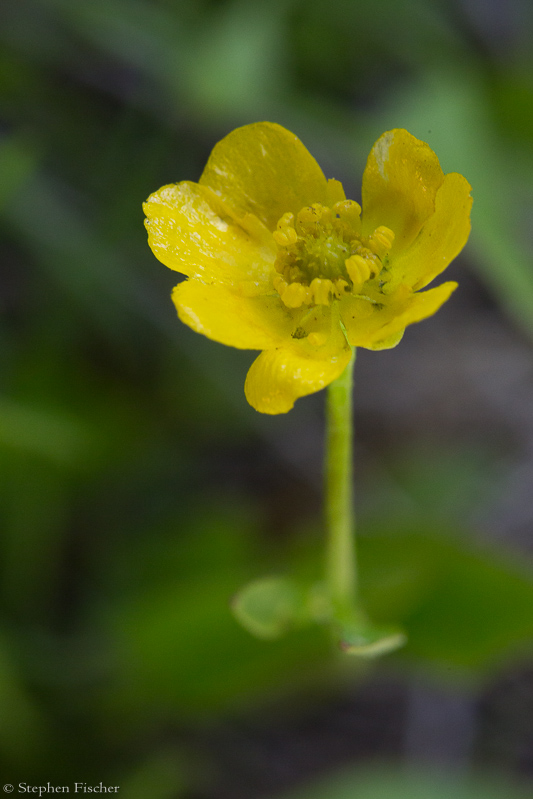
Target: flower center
(322, 255)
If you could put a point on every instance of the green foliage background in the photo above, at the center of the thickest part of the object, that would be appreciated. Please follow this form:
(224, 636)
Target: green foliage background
(138, 491)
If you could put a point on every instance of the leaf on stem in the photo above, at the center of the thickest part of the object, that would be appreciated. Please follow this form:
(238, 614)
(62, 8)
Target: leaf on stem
(365, 640)
(270, 607)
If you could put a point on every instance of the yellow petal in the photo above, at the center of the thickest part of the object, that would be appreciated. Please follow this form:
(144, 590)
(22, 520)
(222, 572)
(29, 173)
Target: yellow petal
(387, 343)
(277, 378)
(249, 323)
(265, 170)
(190, 230)
(400, 181)
(335, 192)
(378, 329)
(441, 239)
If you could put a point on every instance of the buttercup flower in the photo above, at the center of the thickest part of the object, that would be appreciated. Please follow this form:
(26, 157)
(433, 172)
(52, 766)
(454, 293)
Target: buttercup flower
(278, 260)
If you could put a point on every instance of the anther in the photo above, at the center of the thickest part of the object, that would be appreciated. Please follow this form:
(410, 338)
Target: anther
(348, 210)
(340, 286)
(285, 236)
(294, 295)
(321, 288)
(308, 220)
(358, 268)
(325, 214)
(381, 240)
(287, 220)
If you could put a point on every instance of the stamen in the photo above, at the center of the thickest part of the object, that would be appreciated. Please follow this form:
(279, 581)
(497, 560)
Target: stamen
(339, 288)
(321, 289)
(308, 220)
(358, 268)
(287, 220)
(373, 261)
(285, 236)
(326, 215)
(348, 210)
(322, 255)
(295, 295)
(381, 240)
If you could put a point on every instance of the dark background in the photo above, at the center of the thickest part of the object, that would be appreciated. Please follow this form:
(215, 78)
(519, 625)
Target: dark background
(139, 491)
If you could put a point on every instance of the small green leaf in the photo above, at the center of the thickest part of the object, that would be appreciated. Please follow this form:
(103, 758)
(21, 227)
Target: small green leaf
(366, 640)
(269, 607)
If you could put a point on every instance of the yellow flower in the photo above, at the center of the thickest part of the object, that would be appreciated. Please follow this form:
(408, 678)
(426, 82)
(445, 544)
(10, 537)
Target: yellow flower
(277, 259)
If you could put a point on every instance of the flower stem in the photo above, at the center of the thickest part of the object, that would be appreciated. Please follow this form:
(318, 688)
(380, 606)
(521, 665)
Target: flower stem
(341, 556)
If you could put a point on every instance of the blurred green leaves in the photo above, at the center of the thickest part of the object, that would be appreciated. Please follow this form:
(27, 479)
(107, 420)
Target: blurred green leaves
(18, 160)
(39, 432)
(239, 59)
(463, 609)
(168, 636)
(388, 782)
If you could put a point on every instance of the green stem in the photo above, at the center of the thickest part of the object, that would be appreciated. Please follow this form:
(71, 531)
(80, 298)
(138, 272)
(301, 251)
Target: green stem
(341, 557)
